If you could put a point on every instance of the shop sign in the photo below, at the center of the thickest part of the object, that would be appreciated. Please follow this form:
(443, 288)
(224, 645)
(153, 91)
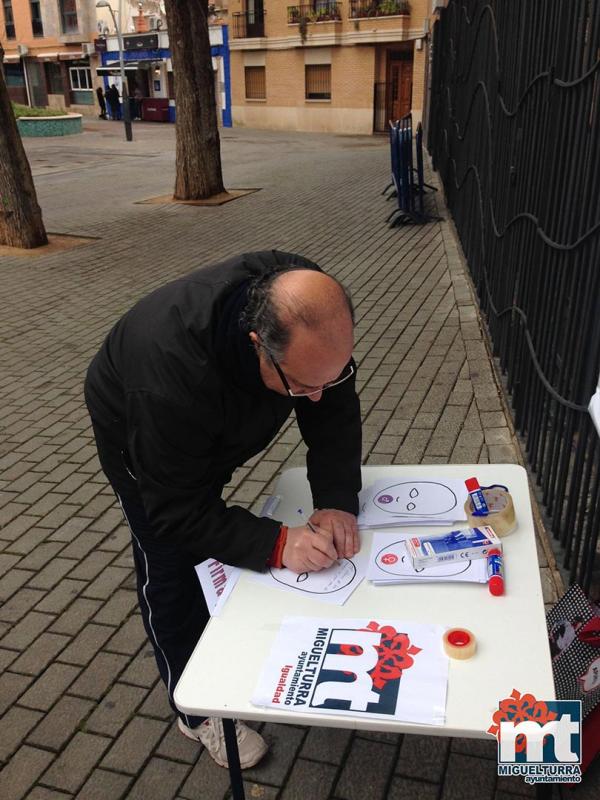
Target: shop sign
(141, 42)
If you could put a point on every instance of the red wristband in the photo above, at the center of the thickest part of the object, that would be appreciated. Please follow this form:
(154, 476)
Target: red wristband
(275, 559)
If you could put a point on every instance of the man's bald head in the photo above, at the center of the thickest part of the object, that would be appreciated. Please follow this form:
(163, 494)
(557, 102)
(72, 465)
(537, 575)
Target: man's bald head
(298, 305)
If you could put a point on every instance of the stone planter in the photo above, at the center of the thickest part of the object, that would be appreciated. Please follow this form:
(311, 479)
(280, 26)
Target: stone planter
(50, 126)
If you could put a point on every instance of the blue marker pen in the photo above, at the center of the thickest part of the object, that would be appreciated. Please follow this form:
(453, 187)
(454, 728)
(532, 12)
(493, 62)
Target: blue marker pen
(480, 508)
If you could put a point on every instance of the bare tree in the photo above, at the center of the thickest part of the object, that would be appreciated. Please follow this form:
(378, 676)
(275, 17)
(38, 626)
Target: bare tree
(198, 153)
(20, 215)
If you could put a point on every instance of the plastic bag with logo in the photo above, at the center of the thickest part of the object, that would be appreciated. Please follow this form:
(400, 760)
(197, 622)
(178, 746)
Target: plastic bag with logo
(574, 635)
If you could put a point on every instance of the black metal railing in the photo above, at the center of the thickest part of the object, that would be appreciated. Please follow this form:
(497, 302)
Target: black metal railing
(319, 11)
(515, 134)
(248, 24)
(378, 8)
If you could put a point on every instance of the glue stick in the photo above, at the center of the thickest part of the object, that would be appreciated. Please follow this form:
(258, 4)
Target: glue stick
(495, 573)
(480, 507)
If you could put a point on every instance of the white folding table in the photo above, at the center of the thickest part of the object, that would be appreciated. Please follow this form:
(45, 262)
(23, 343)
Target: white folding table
(512, 643)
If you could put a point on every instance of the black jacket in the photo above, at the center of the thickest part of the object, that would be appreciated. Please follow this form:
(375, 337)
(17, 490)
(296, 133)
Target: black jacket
(177, 403)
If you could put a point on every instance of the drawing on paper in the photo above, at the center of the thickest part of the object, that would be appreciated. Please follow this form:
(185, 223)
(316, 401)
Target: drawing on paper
(394, 560)
(324, 582)
(437, 501)
(390, 562)
(333, 585)
(416, 498)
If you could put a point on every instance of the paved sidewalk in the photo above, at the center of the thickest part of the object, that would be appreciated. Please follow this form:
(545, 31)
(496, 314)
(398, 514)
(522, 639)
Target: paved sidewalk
(83, 713)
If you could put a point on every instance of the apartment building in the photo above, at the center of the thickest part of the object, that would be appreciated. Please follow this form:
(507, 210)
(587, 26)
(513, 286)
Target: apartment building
(47, 48)
(345, 66)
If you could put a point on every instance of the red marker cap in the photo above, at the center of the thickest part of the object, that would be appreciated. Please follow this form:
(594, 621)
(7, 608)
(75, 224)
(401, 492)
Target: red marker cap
(472, 484)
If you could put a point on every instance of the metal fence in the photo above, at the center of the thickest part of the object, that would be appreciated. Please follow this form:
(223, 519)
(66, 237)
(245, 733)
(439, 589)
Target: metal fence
(317, 11)
(515, 134)
(378, 8)
(248, 24)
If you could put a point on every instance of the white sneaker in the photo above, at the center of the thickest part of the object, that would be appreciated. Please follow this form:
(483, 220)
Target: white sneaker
(252, 747)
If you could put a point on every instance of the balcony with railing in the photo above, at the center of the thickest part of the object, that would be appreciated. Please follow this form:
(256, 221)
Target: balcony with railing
(319, 11)
(248, 24)
(362, 9)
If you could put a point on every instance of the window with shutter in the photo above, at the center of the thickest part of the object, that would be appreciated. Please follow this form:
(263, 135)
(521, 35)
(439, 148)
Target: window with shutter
(318, 81)
(256, 86)
(9, 19)
(37, 26)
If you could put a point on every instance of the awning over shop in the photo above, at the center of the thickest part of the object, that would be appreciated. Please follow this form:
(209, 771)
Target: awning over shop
(113, 68)
(12, 57)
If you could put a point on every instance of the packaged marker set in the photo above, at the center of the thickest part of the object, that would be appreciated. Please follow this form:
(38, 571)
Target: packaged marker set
(466, 544)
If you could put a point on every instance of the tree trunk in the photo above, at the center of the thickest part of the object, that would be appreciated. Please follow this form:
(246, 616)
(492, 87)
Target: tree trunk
(20, 215)
(198, 155)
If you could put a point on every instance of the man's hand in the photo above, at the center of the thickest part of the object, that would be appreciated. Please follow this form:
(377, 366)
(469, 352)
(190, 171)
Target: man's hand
(343, 527)
(308, 550)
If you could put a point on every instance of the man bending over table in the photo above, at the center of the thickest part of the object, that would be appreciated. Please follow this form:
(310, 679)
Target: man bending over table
(198, 377)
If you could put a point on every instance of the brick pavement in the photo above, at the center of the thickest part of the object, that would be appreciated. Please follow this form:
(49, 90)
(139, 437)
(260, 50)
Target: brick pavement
(84, 715)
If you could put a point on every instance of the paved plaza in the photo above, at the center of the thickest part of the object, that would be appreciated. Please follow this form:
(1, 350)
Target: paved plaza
(84, 714)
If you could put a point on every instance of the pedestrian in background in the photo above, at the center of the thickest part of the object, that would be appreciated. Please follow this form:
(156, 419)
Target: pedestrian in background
(101, 102)
(138, 97)
(114, 101)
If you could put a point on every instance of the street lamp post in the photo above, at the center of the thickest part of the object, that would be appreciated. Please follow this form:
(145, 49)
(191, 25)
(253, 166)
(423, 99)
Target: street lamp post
(126, 114)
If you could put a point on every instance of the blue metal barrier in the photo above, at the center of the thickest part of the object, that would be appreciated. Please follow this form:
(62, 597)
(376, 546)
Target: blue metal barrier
(408, 182)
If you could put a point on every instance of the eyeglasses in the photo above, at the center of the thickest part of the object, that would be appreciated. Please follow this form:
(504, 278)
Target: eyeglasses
(347, 373)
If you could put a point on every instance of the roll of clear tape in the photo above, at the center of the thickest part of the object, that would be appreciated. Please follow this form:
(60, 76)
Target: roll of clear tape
(502, 511)
(459, 643)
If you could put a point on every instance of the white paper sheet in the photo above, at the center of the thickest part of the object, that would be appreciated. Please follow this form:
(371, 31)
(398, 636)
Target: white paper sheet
(390, 562)
(357, 667)
(217, 581)
(412, 502)
(333, 585)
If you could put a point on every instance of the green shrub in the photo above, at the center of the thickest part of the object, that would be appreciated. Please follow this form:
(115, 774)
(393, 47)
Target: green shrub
(26, 111)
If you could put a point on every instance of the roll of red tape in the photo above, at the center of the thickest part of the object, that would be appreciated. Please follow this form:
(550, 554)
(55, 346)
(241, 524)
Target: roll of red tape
(459, 643)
